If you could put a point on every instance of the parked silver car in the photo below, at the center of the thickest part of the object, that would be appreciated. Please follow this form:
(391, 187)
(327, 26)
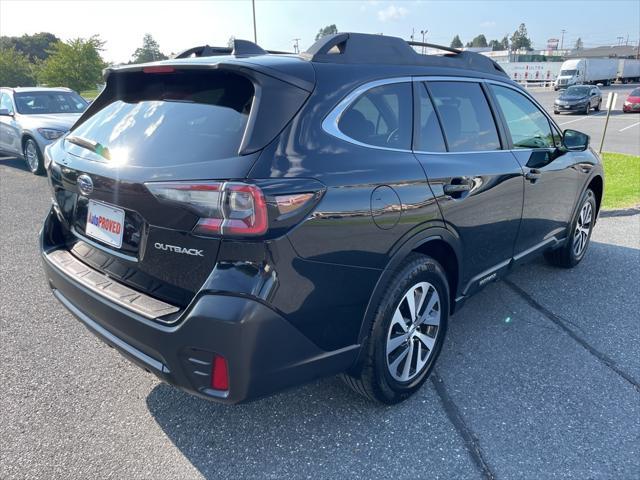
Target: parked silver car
(31, 118)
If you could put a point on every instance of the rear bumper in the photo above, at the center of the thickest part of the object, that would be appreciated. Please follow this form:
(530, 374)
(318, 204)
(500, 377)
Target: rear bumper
(265, 353)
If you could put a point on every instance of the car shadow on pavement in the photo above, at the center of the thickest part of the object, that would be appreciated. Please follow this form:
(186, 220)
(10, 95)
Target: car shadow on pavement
(323, 430)
(14, 162)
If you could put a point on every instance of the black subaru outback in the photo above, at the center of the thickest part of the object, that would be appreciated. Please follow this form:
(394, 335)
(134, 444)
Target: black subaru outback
(238, 221)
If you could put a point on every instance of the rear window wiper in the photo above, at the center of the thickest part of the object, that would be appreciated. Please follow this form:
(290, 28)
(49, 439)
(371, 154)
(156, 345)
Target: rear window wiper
(92, 145)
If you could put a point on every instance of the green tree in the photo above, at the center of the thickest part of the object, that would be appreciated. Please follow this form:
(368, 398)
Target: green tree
(579, 45)
(76, 64)
(495, 45)
(328, 30)
(520, 39)
(15, 69)
(478, 42)
(456, 42)
(35, 46)
(149, 52)
(505, 42)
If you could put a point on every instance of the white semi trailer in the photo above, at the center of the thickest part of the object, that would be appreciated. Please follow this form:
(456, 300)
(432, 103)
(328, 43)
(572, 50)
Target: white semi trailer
(532, 72)
(579, 71)
(628, 70)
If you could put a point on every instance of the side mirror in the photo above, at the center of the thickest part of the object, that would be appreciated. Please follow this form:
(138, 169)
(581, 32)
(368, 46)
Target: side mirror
(4, 112)
(575, 141)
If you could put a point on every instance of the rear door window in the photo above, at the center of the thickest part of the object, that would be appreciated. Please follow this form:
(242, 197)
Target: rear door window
(5, 103)
(381, 117)
(171, 119)
(429, 135)
(466, 117)
(527, 125)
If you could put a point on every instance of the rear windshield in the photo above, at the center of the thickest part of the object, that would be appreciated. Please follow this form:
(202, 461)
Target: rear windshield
(162, 119)
(578, 90)
(49, 102)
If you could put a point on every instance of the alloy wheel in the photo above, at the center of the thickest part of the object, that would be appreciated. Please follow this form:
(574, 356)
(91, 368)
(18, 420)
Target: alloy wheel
(413, 332)
(31, 155)
(583, 228)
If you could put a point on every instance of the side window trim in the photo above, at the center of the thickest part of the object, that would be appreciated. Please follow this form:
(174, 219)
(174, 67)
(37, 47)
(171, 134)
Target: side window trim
(330, 122)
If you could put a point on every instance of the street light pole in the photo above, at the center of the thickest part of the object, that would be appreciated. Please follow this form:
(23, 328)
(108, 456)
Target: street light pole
(424, 33)
(255, 32)
(562, 39)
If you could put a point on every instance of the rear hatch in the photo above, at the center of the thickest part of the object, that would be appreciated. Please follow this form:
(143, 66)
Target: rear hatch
(162, 123)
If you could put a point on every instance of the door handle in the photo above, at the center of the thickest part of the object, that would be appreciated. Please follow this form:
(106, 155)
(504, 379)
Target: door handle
(461, 185)
(533, 175)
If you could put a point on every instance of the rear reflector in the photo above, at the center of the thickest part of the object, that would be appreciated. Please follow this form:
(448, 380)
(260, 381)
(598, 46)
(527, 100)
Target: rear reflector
(219, 373)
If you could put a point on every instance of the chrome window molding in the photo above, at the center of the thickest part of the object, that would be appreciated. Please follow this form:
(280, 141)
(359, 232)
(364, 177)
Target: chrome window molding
(330, 122)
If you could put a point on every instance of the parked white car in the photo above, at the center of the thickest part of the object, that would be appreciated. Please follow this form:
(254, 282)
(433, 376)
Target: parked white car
(31, 118)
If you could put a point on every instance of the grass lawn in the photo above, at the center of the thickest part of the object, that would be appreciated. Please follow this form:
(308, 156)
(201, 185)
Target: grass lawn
(89, 94)
(621, 180)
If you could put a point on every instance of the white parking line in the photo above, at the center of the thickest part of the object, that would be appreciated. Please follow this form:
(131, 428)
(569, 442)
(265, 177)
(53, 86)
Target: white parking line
(582, 118)
(630, 126)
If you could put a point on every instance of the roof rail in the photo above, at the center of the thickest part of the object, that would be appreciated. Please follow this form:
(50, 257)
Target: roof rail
(240, 47)
(433, 45)
(362, 48)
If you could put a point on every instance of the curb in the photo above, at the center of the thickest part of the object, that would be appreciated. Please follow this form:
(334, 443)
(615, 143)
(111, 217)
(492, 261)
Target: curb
(622, 212)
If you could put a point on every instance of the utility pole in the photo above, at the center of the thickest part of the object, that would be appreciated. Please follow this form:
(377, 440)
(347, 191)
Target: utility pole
(255, 32)
(619, 40)
(413, 31)
(296, 47)
(562, 39)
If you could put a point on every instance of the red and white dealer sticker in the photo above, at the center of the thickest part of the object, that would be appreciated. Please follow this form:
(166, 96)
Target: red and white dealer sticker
(105, 223)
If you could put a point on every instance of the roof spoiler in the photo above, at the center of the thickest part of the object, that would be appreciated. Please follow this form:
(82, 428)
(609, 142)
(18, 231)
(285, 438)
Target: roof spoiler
(240, 47)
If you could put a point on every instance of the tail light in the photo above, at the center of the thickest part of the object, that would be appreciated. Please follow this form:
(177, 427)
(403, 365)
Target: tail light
(225, 208)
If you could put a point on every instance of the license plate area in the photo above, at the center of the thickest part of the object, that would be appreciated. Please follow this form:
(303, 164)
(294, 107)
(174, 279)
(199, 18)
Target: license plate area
(105, 223)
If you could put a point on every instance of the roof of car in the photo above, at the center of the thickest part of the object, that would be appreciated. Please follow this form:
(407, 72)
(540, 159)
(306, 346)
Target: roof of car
(346, 49)
(38, 89)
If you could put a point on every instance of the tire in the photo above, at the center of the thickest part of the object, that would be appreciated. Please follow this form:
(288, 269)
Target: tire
(569, 255)
(383, 375)
(33, 157)
(599, 105)
(556, 112)
(587, 108)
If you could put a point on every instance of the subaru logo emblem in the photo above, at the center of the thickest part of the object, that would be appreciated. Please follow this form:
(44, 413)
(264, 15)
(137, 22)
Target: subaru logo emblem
(85, 184)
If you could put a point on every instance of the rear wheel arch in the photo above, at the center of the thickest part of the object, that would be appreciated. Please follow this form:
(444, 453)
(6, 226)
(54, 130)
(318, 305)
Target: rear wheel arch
(442, 252)
(436, 242)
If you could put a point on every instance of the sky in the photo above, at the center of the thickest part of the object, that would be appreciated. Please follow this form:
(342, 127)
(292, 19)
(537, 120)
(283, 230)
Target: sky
(178, 25)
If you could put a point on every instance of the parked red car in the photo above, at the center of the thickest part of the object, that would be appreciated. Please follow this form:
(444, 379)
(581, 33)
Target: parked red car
(632, 103)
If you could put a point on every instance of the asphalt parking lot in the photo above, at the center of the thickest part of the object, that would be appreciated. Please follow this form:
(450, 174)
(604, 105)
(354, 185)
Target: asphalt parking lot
(539, 378)
(623, 131)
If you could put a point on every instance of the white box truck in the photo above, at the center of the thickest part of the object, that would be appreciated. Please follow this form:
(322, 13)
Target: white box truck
(579, 71)
(628, 70)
